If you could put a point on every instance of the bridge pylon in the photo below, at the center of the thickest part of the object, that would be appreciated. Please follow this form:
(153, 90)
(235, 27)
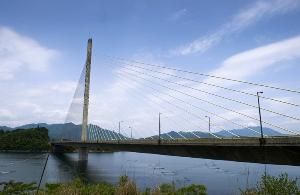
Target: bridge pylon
(83, 152)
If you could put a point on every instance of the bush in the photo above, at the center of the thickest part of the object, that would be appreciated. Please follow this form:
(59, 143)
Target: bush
(167, 188)
(126, 187)
(272, 185)
(12, 187)
(170, 189)
(193, 189)
(77, 187)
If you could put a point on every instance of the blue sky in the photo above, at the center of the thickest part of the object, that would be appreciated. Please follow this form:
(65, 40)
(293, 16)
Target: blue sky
(43, 45)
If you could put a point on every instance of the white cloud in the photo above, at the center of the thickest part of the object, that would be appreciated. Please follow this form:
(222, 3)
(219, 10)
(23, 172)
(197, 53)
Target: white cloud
(18, 52)
(177, 15)
(6, 114)
(42, 102)
(29, 106)
(243, 65)
(64, 86)
(239, 22)
(30, 102)
(60, 87)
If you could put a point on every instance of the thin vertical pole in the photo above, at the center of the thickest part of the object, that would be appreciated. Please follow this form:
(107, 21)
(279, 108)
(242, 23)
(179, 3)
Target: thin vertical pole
(86, 91)
(44, 168)
(159, 126)
(209, 126)
(261, 130)
(130, 132)
(119, 129)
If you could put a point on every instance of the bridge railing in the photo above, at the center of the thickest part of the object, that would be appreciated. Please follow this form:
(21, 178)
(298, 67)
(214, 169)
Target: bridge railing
(209, 141)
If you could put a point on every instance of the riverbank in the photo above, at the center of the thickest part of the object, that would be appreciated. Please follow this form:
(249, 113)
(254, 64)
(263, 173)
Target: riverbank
(275, 185)
(24, 151)
(78, 187)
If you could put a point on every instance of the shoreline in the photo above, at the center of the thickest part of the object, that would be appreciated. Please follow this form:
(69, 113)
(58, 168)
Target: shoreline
(45, 151)
(23, 151)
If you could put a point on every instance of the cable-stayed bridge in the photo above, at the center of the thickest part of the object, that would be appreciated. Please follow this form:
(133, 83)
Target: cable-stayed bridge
(264, 148)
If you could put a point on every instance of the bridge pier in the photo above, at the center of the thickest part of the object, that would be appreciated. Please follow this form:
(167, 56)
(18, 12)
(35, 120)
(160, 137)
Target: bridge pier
(58, 149)
(83, 153)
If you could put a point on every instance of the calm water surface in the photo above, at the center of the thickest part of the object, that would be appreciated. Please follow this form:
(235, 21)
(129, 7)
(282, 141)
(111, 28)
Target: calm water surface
(148, 170)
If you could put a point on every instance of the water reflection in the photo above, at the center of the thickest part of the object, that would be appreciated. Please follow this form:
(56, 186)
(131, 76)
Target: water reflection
(148, 170)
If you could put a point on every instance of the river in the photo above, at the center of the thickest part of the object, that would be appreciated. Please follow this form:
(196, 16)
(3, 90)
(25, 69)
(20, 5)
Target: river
(147, 170)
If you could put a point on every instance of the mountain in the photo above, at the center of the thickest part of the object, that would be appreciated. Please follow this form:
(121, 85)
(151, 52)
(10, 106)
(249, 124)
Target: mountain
(56, 131)
(249, 133)
(183, 135)
(193, 134)
(240, 132)
(73, 132)
(5, 128)
(70, 131)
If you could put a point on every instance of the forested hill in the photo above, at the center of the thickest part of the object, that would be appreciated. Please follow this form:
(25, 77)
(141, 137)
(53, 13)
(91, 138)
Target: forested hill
(34, 139)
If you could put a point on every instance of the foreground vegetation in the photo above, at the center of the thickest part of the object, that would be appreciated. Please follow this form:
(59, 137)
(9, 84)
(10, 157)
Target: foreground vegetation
(35, 139)
(280, 185)
(77, 187)
(269, 185)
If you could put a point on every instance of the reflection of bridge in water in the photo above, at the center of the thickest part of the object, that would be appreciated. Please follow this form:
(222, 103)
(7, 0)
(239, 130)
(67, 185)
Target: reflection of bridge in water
(266, 149)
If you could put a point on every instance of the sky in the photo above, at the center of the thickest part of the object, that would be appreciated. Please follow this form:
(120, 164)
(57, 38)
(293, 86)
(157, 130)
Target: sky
(43, 51)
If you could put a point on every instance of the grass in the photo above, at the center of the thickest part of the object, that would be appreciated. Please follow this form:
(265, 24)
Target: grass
(268, 185)
(77, 187)
(280, 185)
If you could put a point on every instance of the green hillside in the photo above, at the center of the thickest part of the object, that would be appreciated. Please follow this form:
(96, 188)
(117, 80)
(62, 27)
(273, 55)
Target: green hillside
(35, 139)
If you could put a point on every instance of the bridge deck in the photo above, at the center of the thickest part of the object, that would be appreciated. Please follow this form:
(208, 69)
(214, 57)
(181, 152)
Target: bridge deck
(274, 150)
(270, 141)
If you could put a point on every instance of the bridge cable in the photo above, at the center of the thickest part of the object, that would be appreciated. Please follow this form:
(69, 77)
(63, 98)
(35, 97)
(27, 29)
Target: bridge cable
(224, 119)
(112, 135)
(205, 111)
(75, 105)
(94, 134)
(180, 135)
(98, 135)
(177, 133)
(206, 75)
(199, 109)
(160, 106)
(219, 96)
(109, 135)
(105, 133)
(172, 138)
(181, 109)
(178, 107)
(217, 86)
(91, 132)
(102, 134)
(220, 106)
